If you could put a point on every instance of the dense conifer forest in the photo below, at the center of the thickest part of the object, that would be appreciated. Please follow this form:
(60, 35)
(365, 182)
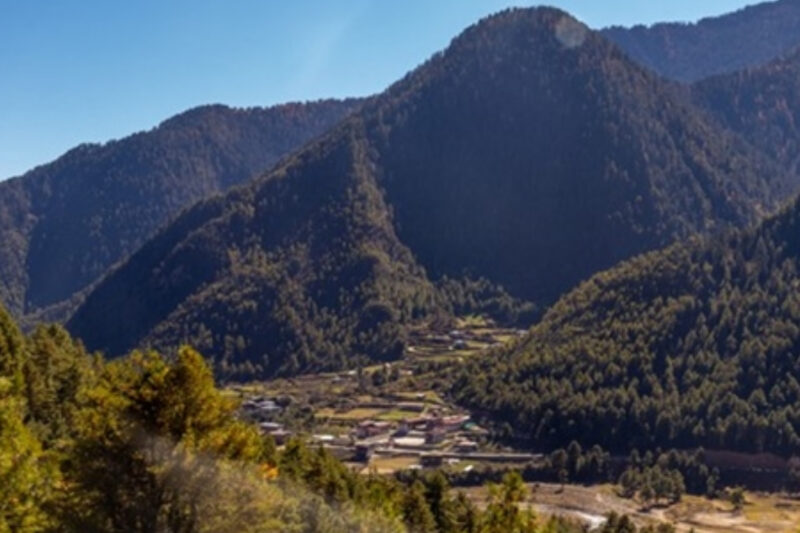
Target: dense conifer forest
(695, 345)
(746, 38)
(762, 105)
(530, 154)
(64, 224)
(581, 244)
(145, 444)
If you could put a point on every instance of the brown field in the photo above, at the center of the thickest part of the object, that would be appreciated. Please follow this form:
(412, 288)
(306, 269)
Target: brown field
(359, 413)
(763, 513)
(390, 465)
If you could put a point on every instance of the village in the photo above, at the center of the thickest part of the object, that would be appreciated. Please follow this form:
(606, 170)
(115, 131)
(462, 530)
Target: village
(377, 418)
(389, 418)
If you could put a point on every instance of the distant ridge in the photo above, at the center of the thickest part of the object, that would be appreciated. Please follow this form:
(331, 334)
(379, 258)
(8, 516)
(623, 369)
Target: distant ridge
(65, 223)
(689, 52)
(531, 153)
(762, 105)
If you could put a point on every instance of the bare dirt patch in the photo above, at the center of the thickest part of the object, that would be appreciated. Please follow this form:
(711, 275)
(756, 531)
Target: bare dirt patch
(763, 513)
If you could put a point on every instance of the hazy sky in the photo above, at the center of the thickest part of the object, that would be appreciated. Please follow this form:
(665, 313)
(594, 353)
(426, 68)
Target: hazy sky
(92, 70)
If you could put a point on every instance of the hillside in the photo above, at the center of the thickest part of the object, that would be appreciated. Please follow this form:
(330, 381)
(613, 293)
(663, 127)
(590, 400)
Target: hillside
(531, 153)
(692, 346)
(762, 104)
(147, 443)
(300, 270)
(65, 223)
(689, 52)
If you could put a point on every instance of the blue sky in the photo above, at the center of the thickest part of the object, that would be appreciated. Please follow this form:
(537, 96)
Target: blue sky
(92, 70)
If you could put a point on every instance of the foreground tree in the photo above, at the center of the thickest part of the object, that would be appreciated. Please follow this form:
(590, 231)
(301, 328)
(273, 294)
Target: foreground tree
(504, 512)
(57, 375)
(12, 346)
(418, 516)
(737, 498)
(27, 475)
(150, 444)
(144, 444)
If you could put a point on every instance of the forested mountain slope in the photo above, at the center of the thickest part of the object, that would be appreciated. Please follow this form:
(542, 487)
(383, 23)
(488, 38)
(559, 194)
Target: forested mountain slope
(695, 345)
(147, 443)
(65, 223)
(762, 104)
(689, 52)
(301, 270)
(531, 153)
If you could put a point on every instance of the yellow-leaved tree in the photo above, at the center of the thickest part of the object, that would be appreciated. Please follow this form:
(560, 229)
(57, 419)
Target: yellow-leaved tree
(28, 476)
(160, 450)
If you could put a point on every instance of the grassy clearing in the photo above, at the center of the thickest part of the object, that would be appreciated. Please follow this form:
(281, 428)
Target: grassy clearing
(471, 321)
(392, 464)
(765, 507)
(763, 513)
(395, 415)
(353, 414)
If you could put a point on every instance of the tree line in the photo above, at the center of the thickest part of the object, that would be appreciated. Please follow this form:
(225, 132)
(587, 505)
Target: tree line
(145, 443)
(693, 346)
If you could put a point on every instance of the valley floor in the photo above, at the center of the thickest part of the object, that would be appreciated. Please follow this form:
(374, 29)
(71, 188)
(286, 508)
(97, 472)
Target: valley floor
(763, 513)
(388, 418)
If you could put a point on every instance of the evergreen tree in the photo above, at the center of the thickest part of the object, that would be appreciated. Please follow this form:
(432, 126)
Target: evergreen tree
(417, 514)
(27, 475)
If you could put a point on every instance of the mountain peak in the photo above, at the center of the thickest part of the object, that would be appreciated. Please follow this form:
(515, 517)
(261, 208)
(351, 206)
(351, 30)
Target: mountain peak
(526, 26)
(537, 16)
(531, 153)
(716, 45)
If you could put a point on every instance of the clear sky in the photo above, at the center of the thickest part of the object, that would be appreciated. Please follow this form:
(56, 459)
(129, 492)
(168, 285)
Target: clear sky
(92, 70)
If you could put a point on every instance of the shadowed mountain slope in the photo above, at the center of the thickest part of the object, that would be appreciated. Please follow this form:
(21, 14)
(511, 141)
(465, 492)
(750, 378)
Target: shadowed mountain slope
(65, 223)
(762, 105)
(531, 153)
(695, 345)
(749, 37)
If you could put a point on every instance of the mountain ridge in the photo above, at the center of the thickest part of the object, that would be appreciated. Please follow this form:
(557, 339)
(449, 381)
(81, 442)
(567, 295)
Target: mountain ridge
(761, 104)
(693, 345)
(455, 155)
(68, 221)
(684, 52)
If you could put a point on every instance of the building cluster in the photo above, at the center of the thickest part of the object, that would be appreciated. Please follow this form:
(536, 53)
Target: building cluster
(432, 431)
(437, 429)
(454, 340)
(462, 339)
(434, 436)
(260, 407)
(427, 432)
(263, 411)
